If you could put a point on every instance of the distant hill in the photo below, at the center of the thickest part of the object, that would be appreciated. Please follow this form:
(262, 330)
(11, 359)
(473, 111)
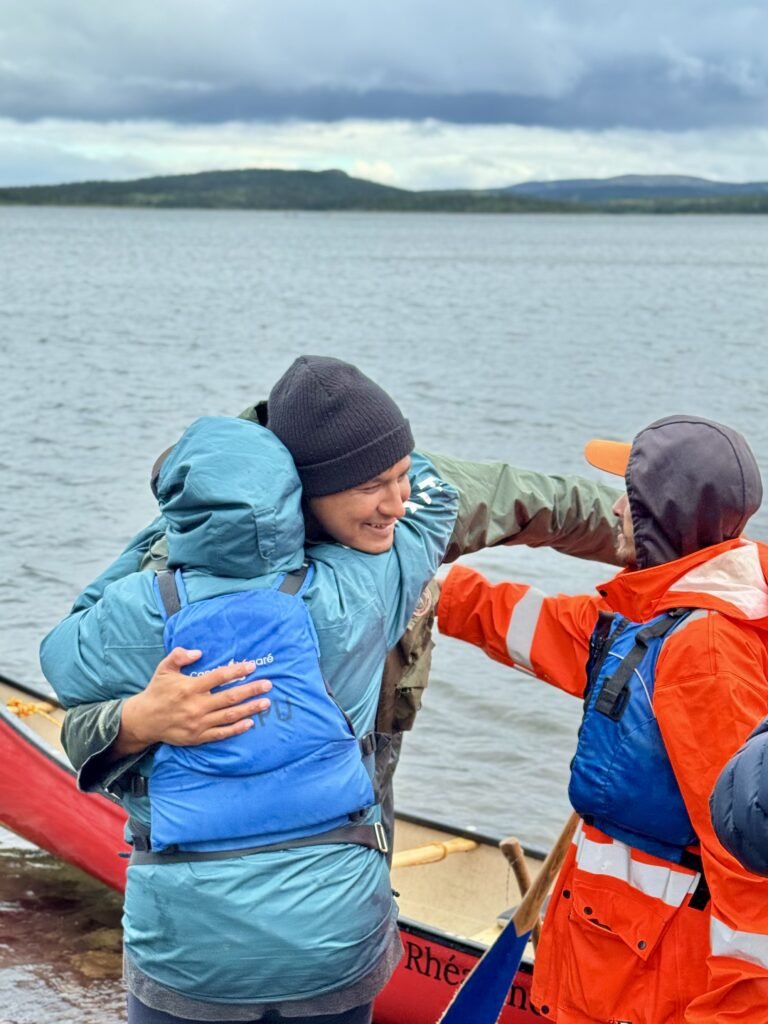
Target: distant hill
(635, 186)
(271, 190)
(335, 190)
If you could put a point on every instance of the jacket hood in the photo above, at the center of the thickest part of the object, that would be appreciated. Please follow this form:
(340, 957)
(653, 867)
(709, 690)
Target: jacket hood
(691, 483)
(731, 578)
(232, 499)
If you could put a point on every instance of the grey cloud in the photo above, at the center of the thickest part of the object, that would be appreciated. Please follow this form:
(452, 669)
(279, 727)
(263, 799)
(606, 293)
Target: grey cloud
(578, 64)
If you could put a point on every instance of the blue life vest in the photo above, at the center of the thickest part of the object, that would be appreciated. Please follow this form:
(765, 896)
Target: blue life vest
(622, 781)
(298, 771)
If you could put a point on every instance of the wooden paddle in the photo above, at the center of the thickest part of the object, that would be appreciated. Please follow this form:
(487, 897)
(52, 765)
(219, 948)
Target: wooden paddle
(480, 999)
(431, 852)
(513, 851)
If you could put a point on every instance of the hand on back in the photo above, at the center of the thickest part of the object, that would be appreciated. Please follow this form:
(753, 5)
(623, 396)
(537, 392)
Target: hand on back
(181, 710)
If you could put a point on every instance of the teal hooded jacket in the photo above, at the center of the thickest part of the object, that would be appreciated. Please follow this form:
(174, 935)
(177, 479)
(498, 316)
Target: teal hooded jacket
(268, 927)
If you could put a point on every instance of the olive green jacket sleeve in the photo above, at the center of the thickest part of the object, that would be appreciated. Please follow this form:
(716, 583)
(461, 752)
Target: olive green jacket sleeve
(501, 504)
(87, 736)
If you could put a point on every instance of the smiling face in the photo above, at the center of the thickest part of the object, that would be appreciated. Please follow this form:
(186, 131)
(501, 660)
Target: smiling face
(364, 517)
(625, 533)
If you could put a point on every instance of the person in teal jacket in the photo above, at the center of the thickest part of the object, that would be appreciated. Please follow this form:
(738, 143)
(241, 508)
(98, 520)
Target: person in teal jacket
(307, 931)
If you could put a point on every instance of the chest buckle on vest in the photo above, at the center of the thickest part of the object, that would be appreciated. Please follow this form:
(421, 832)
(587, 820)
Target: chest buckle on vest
(381, 837)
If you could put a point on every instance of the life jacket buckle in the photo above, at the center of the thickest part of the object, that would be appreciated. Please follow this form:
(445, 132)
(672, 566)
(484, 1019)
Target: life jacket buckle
(137, 785)
(141, 843)
(368, 744)
(381, 837)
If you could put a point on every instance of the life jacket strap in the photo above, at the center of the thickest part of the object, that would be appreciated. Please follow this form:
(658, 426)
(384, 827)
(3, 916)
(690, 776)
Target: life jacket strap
(600, 646)
(169, 584)
(691, 860)
(139, 835)
(137, 784)
(612, 698)
(294, 582)
(371, 836)
(169, 592)
(701, 895)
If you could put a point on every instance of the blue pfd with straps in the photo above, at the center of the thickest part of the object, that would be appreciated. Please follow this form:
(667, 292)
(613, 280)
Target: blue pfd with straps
(622, 781)
(298, 773)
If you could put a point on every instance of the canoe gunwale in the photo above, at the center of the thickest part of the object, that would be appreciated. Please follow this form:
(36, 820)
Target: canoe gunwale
(19, 725)
(535, 852)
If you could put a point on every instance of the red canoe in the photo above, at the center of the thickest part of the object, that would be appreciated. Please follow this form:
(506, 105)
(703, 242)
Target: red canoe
(449, 900)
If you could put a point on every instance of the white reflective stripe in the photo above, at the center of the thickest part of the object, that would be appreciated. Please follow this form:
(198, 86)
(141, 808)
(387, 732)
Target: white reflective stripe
(428, 481)
(420, 494)
(522, 626)
(669, 885)
(749, 946)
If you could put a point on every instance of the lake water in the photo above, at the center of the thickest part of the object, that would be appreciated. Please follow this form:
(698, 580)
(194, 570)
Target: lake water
(514, 338)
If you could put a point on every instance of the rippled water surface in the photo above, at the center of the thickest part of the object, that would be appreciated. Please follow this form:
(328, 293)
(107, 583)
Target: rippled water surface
(514, 338)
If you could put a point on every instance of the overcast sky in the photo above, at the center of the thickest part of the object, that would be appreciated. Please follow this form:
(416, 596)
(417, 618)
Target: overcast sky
(417, 93)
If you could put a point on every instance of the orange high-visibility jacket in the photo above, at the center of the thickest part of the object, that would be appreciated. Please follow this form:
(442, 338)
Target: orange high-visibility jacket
(626, 938)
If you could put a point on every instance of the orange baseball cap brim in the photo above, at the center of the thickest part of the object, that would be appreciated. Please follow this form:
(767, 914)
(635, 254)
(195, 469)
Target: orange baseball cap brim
(611, 456)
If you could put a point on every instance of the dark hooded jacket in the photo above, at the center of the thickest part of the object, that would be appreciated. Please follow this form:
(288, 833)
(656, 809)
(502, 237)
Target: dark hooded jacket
(691, 483)
(740, 803)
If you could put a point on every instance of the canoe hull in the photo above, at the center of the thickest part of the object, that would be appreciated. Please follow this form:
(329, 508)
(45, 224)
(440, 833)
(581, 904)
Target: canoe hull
(431, 969)
(39, 800)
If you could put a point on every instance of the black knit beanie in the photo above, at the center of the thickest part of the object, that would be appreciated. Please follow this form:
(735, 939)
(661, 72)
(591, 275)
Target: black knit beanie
(340, 427)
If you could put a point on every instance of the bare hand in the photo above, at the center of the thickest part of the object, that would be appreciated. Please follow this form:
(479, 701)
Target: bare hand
(181, 710)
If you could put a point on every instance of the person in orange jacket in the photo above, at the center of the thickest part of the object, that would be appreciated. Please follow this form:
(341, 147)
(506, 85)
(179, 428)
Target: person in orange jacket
(651, 920)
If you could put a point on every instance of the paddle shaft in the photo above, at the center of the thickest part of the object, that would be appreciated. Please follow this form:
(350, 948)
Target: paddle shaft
(513, 851)
(429, 853)
(528, 912)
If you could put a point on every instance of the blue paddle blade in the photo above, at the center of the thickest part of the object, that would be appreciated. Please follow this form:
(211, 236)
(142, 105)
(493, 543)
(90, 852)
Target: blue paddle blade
(481, 997)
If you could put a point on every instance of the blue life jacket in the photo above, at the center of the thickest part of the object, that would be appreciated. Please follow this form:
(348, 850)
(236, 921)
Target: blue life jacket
(622, 781)
(298, 772)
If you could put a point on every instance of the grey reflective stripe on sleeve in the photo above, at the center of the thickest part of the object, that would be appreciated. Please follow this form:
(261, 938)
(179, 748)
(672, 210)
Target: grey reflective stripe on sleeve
(522, 626)
(698, 613)
(749, 946)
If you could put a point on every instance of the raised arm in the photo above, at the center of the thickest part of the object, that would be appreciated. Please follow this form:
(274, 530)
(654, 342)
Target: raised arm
(501, 504)
(520, 626)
